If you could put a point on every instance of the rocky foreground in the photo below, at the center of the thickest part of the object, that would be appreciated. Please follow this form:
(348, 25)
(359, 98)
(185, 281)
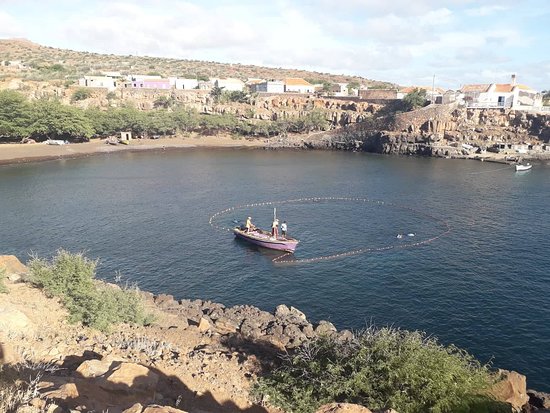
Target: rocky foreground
(197, 356)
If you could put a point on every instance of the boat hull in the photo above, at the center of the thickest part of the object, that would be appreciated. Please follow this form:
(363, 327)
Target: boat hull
(264, 240)
(523, 167)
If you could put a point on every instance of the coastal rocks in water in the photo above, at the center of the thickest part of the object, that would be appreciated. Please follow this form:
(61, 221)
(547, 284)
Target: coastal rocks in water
(325, 328)
(165, 301)
(511, 388)
(539, 400)
(291, 314)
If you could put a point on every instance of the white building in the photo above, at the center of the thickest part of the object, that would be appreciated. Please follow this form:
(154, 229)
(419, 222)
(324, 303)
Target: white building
(186, 84)
(134, 78)
(339, 89)
(230, 84)
(269, 86)
(501, 95)
(98, 81)
(114, 75)
(299, 85)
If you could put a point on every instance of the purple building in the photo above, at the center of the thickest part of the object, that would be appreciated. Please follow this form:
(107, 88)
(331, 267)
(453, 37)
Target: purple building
(151, 84)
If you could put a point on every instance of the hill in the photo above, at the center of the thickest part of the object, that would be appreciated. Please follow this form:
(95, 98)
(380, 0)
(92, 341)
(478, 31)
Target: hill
(49, 63)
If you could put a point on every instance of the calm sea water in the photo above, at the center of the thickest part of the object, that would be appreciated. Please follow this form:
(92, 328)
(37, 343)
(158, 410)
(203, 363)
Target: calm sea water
(485, 286)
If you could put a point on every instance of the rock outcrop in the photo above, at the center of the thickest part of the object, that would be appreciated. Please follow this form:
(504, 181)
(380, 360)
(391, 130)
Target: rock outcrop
(198, 356)
(512, 389)
(436, 131)
(12, 266)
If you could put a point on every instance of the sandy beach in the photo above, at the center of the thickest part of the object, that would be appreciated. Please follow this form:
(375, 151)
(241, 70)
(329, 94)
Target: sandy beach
(22, 153)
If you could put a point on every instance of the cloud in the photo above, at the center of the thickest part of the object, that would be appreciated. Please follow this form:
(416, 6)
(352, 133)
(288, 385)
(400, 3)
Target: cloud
(10, 26)
(395, 40)
(485, 10)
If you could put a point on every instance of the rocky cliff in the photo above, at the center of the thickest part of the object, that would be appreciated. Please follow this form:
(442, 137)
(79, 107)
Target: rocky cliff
(198, 356)
(441, 131)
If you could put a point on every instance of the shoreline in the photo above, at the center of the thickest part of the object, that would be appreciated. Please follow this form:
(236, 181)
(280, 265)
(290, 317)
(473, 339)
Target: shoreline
(16, 153)
(212, 351)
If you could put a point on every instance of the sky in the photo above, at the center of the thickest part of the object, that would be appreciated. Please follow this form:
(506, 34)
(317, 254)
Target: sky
(407, 42)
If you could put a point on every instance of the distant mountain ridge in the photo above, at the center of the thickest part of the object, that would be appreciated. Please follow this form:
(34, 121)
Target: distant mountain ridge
(70, 64)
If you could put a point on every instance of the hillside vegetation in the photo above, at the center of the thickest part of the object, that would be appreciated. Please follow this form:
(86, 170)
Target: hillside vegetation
(49, 63)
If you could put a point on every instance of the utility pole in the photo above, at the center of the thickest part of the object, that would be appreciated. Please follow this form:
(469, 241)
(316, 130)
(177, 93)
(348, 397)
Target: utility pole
(433, 89)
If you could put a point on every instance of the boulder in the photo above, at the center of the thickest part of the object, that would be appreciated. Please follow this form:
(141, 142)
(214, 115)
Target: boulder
(136, 408)
(64, 392)
(342, 408)
(13, 267)
(162, 409)
(13, 320)
(298, 314)
(130, 378)
(165, 301)
(94, 368)
(226, 326)
(204, 325)
(282, 311)
(511, 388)
(325, 328)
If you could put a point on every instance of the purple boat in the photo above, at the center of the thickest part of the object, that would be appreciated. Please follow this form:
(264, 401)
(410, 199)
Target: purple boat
(266, 240)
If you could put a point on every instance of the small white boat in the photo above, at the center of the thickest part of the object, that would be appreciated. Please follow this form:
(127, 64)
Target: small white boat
(521, 167)
(56, 142)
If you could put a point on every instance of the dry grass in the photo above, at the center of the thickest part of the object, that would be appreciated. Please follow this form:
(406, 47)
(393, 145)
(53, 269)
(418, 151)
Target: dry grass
(19, 383)
(48, 63)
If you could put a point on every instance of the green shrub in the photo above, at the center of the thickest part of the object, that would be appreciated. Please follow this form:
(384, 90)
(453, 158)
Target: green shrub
(379, 368)
(71, 277)
(80, 94)
(3, 288)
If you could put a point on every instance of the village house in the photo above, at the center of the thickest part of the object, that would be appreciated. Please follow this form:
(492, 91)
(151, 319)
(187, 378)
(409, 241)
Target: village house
(501, 95)
(114, 75)
(269, 86)
(230, 84)
(378, 94)
(339, 89)
(186, 84)
(253, 81)
(205, 85)
(299, 85)
(105, 82)
(133, 78)
(433, 94)
(150, 83)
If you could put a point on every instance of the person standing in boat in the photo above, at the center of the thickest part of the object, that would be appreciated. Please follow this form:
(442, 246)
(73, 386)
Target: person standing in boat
(275, 228)
(249, 226)
(283, 229)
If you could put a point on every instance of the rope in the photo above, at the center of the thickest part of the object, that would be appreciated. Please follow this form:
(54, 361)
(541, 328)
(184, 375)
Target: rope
(283, 259)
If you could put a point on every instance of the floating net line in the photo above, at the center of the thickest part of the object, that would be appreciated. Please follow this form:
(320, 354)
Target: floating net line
(288, 258)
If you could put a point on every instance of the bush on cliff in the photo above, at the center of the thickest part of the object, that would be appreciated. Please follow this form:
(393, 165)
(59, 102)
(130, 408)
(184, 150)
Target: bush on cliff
(379, 368)
(71, 277)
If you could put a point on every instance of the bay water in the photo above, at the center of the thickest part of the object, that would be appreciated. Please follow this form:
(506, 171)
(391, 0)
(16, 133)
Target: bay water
(484, 285)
